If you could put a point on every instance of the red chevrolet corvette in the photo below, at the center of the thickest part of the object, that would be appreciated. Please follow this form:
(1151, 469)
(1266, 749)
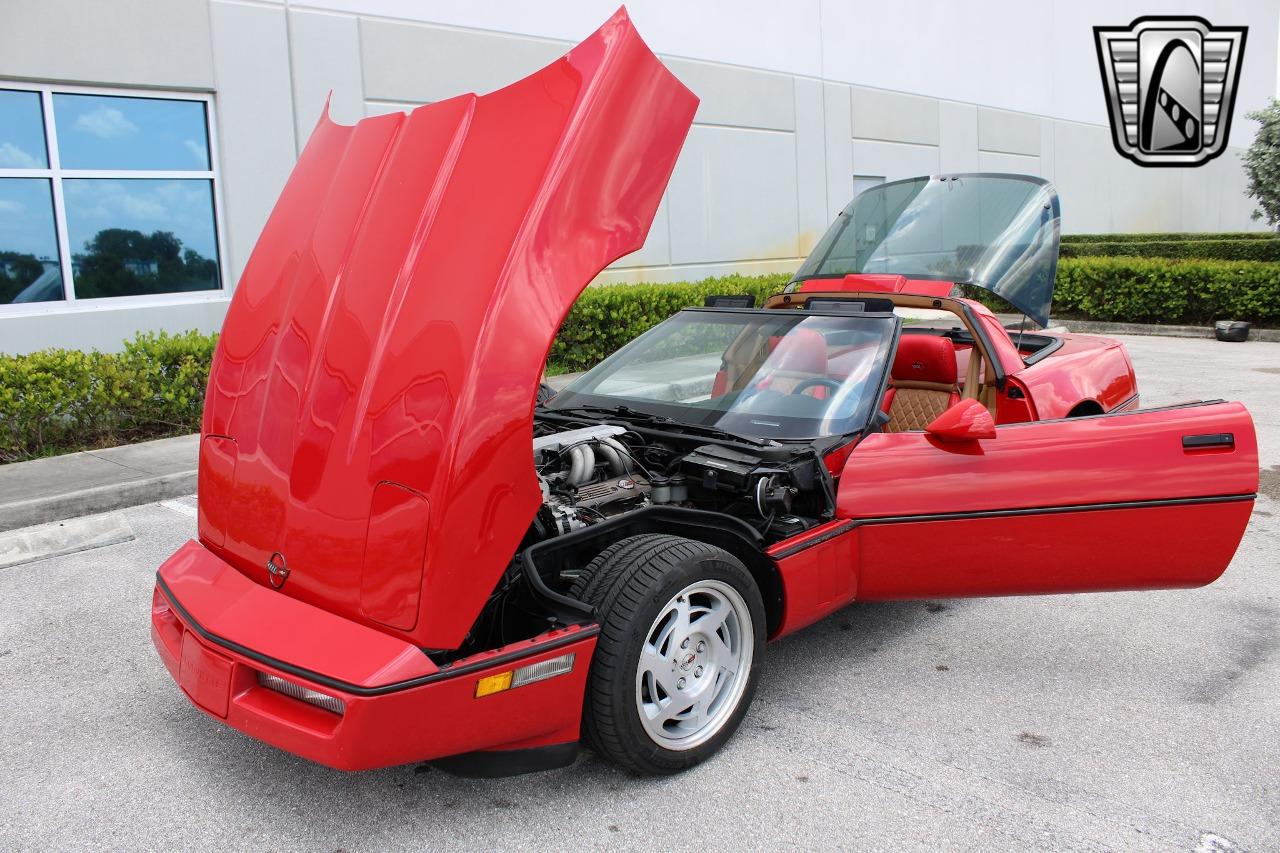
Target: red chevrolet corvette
(388, 572)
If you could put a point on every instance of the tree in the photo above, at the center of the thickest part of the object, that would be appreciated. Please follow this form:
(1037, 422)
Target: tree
(125, 262)
(1262, 163)
(17, 270)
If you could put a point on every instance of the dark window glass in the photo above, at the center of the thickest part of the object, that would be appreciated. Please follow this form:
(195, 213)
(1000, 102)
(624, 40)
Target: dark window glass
(29, 268)
(140, 236)
(21, 131)
(107, 132)
(766, 359)
(999, 232)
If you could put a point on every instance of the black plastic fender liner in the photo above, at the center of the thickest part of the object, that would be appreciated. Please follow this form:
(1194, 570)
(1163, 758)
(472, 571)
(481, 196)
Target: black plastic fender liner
(496, 763)
(550, 557)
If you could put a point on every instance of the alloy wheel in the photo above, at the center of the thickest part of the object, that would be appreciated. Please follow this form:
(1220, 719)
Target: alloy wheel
(694, 665)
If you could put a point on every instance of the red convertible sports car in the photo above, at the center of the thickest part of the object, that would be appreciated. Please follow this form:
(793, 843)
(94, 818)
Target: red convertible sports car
(386, 571)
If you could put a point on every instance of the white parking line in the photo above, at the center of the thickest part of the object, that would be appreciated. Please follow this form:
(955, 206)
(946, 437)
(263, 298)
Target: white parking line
(179, 507)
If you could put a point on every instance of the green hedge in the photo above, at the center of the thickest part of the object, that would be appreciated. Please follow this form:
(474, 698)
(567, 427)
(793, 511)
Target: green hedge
(1151, 290)
(1168, 237)
(605, 318)
(58, 401)
(1219, 250)
(1124, 289)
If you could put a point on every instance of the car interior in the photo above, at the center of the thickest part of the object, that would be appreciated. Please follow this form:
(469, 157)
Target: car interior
(937, 363)
(922, 382)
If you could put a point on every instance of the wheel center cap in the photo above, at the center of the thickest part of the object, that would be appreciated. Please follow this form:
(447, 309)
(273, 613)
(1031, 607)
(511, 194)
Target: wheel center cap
(688, 662)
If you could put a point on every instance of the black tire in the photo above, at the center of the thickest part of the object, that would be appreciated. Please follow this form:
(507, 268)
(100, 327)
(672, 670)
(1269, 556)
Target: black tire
(629, 584)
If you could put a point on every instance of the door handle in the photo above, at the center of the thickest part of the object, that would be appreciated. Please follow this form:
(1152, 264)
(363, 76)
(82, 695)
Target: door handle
(1209, 440)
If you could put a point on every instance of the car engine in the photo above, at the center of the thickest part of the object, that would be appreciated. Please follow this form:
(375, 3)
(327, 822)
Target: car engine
(587, 475)
(593, 473)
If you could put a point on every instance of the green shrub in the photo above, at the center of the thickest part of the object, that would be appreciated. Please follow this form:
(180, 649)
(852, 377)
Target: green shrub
(57, 401)
(1220, 250)
(1168, 236)
(604, 318)
(1151, 290)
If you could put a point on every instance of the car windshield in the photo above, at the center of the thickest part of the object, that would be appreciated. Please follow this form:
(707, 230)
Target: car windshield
(765, 374)
(999, 232)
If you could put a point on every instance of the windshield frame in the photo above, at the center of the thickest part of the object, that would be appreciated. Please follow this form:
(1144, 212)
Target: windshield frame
(676, 414)
(1030, 301)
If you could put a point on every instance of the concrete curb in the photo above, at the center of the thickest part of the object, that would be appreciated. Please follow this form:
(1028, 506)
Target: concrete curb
(77, 484)
(97, 499)
(1090, 327)
(1097, 327)
(18, 547)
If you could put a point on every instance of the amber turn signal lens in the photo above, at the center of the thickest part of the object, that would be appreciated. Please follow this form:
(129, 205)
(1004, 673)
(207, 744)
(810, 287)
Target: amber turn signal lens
(527, 674)
(491, 684)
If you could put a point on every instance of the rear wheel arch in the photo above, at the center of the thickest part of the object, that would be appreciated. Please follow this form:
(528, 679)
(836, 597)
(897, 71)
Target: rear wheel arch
(1086, 408)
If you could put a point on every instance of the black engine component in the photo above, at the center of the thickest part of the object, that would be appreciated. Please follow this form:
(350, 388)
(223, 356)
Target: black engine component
(717, 467)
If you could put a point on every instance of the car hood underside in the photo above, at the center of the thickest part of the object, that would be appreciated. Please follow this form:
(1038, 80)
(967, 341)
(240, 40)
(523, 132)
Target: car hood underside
(369, 412)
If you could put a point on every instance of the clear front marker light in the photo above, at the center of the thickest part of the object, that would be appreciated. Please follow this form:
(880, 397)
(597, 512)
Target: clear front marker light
(540, 671)
(297, 691)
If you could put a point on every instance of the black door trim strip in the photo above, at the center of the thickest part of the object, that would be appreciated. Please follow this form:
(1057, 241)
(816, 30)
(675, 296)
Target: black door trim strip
(587, 631)
(818, 540)
(1118, 408)
(447, 672)
(1003, 513)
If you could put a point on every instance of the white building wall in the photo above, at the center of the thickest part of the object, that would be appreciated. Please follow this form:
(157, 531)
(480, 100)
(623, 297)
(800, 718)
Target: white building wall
(797, 100)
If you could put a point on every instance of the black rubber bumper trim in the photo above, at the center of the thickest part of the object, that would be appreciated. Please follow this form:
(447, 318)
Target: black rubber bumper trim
(1005, 513)
(493, 764)
(455, 671)
(817, 540)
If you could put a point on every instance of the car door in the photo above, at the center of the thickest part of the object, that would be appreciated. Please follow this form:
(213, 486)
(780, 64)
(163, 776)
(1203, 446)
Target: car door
(1156, 498)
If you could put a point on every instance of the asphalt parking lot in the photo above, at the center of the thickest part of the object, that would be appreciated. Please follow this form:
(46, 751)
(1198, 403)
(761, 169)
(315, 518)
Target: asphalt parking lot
(1137, 721)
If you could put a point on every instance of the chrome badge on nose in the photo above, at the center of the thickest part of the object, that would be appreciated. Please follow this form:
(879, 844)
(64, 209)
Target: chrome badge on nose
(1171, 85)
(277, 570)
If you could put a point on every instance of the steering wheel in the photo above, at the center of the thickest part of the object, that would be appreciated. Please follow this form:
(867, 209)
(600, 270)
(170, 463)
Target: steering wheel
(830, 384)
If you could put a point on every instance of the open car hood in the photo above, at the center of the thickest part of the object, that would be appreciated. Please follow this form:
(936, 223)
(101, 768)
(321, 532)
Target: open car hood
(369, 415)
(990, 230)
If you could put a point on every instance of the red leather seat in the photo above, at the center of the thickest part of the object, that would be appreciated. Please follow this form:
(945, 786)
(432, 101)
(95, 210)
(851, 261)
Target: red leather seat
(923, 382)
(799, 356)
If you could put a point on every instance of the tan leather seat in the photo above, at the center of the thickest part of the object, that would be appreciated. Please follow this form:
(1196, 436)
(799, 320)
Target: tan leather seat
(923, 382)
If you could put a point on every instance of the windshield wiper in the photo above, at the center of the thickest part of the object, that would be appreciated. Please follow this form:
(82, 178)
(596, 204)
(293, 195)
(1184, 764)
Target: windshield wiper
(713, 432)
(608, 411)
(630, 414)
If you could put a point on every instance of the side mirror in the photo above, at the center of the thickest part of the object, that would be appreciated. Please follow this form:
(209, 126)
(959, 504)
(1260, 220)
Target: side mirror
(967, 420)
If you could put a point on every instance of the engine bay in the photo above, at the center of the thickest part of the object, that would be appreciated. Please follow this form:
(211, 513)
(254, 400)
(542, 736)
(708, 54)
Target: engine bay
(593, 473)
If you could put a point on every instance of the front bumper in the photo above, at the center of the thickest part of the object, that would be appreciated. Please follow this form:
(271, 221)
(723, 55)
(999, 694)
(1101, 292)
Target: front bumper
(216, 630)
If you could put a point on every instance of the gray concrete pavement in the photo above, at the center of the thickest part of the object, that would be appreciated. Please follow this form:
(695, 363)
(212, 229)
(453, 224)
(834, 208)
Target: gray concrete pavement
(1135, 721)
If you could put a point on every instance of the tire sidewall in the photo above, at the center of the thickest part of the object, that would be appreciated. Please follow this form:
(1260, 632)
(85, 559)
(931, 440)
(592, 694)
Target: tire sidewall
(635, 739)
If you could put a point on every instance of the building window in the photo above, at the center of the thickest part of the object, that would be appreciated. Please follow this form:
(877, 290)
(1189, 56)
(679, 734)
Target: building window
(105, 195)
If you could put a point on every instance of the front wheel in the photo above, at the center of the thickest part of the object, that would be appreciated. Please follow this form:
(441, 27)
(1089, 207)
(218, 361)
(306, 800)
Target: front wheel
(675, 668)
